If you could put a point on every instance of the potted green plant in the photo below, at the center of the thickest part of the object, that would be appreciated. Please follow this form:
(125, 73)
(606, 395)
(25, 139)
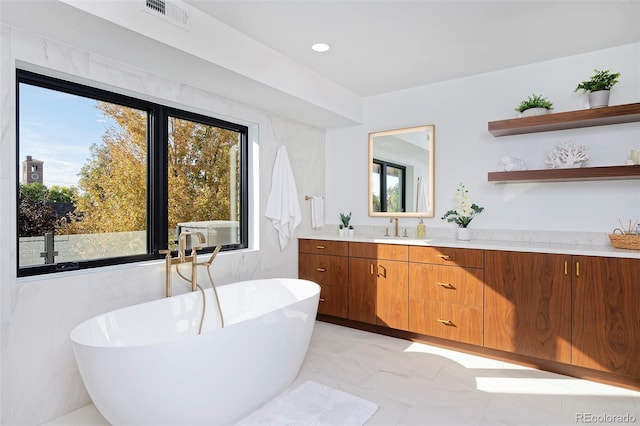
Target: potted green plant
(598, 87)
(534, 105)
(344, 223)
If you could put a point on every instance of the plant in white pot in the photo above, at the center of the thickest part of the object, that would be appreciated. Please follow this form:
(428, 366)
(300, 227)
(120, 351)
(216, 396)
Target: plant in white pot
(598, 87)
(464, 213)
(344, 224)
(534, 105)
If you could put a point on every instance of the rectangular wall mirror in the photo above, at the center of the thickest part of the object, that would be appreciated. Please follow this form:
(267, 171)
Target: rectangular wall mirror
(401, 175)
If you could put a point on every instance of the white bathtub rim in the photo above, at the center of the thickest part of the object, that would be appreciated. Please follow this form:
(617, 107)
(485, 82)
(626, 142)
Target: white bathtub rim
(314, 291)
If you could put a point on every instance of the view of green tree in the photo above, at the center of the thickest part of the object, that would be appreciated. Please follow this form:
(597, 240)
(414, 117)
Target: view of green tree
(200, 172)
(376, 202)
(36, 208)
(61, 194)
(34, 191)
(394, 198)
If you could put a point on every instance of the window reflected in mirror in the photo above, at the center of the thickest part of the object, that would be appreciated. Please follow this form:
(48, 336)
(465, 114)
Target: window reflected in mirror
(401, 176)
(389, 187)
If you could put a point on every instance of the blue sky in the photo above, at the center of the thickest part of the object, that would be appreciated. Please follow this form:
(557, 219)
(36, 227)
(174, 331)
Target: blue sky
(58, 129)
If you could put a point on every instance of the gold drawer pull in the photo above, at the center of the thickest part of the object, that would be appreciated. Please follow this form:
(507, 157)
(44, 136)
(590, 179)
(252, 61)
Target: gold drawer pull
(443, 256)
(320, 269)
(321, 299)
(446, 322)
(382, 274)
(321, 247)
(447, 285)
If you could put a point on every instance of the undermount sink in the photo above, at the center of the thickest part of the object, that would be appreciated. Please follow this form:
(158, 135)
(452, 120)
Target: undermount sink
(400, 240)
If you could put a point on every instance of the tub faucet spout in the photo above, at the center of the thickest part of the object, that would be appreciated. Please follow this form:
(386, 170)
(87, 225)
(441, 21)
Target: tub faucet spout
(182, 245)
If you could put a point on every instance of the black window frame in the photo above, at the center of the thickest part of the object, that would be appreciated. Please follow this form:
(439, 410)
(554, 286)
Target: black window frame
(383, 184)
(157, 170)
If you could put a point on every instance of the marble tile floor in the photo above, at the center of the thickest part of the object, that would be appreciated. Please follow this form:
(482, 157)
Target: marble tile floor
(417, 384)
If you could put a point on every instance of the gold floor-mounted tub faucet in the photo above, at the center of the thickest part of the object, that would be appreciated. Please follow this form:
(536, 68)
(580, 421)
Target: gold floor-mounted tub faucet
(193, 259)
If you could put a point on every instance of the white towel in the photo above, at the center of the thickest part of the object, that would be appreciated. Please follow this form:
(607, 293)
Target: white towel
(283, 207)
(317, 212)
(421, 199)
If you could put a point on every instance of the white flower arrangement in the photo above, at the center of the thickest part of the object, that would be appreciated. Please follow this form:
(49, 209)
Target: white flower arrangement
(566, 155)
(465, 210)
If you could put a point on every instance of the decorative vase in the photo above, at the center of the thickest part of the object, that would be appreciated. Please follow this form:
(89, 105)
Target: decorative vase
(350, 232)
(534, 111)
(464, 234)
(342, 232)
(599, 99)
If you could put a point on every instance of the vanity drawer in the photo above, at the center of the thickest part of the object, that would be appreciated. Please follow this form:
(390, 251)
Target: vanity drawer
(446, 283)
(335, 248)
(461, 323)
(471, 258)
(379, 251)
(333, 300)
(332, 270)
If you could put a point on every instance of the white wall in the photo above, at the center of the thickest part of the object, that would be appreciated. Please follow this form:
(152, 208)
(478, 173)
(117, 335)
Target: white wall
(39, 376)
(465, 151)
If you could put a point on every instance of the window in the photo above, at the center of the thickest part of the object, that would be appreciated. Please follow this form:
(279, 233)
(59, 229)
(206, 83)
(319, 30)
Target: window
(389, 187)
(108, 179)
(205, 173)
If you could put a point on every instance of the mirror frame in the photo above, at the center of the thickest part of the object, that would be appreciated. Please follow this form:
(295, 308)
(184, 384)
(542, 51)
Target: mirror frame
(431, 128)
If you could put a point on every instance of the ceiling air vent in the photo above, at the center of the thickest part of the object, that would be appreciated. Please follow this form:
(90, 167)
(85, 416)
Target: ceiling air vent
(168, 10)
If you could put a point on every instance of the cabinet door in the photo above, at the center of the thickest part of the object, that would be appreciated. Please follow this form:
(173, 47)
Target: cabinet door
(392, 294)
(527, 307)
(606, 314)
(362, 290)
(379, 292)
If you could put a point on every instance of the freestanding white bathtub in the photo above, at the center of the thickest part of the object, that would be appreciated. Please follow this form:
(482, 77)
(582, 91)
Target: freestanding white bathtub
(147, 365)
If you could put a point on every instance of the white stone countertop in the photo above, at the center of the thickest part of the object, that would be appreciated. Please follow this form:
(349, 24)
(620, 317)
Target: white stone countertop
(570, 248)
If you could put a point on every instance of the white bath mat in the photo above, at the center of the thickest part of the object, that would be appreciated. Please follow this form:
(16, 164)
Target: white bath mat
(310, 404)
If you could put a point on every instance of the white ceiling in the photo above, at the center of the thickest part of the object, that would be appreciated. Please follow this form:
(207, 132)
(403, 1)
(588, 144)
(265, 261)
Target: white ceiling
(258, 51)
(382, 46)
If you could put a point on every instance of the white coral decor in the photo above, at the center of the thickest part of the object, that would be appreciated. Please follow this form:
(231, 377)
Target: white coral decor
(566, 155)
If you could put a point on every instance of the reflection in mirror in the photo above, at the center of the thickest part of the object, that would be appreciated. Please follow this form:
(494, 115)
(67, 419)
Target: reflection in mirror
(401, 176)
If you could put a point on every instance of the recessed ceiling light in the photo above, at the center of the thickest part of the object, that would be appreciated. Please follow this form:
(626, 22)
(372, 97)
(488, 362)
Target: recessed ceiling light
(320, 47)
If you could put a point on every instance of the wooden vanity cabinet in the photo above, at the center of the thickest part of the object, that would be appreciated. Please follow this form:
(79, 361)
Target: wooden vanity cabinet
(606, 314)
(446, 293)
(527, 307)
(326, 263)
(579, 312)
(378, 284)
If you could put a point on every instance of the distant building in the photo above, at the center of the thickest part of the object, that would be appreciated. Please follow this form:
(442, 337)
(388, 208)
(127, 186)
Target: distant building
(32, 170)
